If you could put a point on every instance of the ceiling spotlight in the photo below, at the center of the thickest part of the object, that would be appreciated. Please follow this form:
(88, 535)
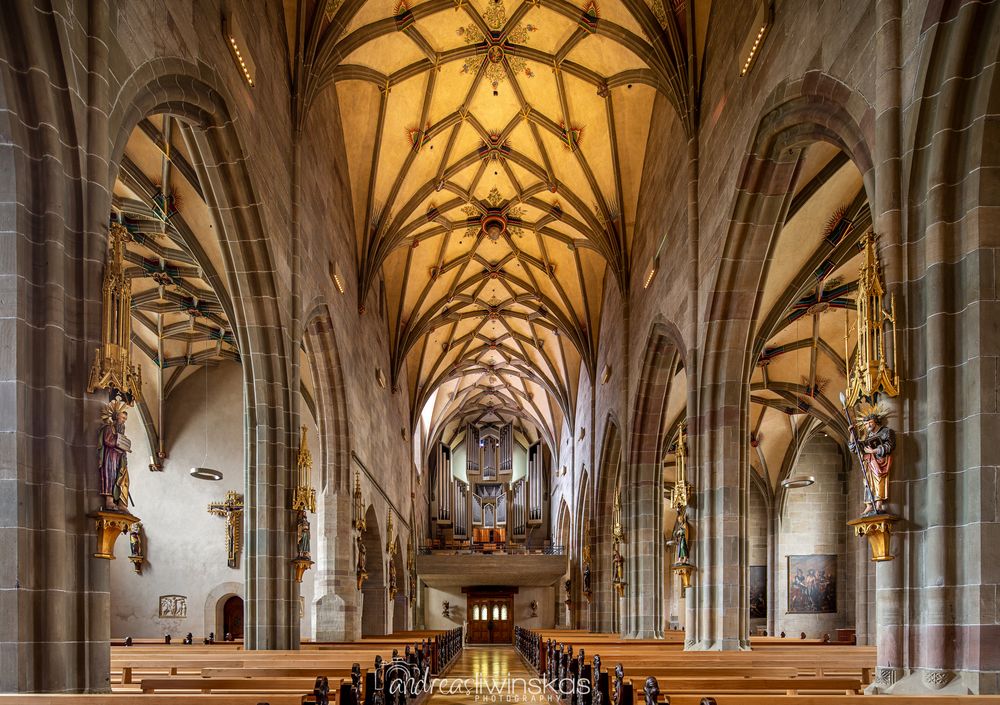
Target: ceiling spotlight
(793, 483)
(206, 474)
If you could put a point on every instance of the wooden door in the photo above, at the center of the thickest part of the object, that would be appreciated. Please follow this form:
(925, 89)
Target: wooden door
(491, 619)
(232, 618)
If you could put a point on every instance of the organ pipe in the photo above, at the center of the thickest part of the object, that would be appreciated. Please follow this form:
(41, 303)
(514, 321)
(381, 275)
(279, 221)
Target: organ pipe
(506, 463)
(472, 449)
(460, 515)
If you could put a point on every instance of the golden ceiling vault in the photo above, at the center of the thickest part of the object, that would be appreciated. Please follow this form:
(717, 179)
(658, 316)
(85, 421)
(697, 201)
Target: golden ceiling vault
(495, 150)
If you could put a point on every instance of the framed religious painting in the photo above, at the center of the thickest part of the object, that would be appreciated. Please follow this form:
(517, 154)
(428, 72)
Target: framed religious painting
(812, 584)
(758, 592)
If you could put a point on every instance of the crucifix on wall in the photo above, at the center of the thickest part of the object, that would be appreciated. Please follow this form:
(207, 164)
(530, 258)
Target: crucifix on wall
(232, 509)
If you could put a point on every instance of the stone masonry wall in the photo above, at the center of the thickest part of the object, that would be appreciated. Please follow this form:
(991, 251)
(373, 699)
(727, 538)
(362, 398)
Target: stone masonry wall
(812, 523)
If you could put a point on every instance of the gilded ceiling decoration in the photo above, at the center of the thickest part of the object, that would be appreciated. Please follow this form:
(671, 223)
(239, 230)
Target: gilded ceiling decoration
(495, 47)
(495, 151)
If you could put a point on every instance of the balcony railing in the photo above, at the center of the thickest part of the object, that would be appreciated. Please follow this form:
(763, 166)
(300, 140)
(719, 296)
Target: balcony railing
(466, 547)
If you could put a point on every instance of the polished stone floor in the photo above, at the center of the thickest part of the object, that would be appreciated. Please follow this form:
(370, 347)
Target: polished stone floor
(488, 674)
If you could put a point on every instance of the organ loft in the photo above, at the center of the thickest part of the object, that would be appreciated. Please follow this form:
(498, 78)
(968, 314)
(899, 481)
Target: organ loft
(601, 352)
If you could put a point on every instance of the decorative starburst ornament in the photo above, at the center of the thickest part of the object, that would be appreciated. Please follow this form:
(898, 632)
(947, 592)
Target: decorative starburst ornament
(496, 48)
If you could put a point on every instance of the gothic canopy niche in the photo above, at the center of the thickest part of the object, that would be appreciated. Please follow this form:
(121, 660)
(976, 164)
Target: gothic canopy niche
(495, 150)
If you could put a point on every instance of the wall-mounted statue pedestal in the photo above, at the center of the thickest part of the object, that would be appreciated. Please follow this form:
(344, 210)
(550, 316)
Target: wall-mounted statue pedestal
(685, 570)
(877, 528)
(109, 526)
(300, 566)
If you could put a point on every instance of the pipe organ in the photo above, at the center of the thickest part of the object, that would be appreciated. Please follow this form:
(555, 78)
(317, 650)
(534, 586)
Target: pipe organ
(489, 443)
(536, 488)
(506, 449)
(472, 450)
(518, 508)
(444, 486)
(502, 493)
(461, 510)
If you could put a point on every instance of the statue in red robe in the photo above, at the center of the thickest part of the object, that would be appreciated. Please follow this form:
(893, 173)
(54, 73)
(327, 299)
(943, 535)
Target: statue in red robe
(112, 452)
(876, 451)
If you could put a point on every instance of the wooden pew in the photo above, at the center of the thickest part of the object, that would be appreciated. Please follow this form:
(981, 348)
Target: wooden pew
(199, 684)
(759, 699)
(781, 669)
(151, 699)
(205, 669)
(751, 685)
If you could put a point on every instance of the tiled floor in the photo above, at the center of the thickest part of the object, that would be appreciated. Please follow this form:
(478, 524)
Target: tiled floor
(488, 675)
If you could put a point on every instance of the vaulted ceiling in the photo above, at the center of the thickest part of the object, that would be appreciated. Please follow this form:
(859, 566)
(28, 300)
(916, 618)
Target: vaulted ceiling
(808, 304)
(495, 150)
(180, 305)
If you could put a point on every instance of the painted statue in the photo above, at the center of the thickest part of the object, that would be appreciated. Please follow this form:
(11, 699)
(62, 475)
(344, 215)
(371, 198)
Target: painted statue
(616, 693)
(362, 566)
(618, 570)
(586, 579)
(135, 540)
(876, 449)
(113, 450)
(302, 536)
(682, 533)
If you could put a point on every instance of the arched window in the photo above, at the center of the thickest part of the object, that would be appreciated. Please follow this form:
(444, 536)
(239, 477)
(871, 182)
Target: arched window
(496, 611)
(503, 613)
(475, 612)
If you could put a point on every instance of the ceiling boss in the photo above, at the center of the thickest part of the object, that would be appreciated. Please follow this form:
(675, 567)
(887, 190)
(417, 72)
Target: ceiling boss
(495, 49)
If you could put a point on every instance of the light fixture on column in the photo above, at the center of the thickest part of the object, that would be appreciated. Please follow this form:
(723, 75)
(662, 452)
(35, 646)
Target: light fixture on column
(238, 50)
(759, 28)
(337, 277)
(651, 273)
(793, 483)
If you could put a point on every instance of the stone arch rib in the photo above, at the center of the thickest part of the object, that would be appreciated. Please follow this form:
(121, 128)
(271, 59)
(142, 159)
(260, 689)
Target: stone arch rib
(191, 93)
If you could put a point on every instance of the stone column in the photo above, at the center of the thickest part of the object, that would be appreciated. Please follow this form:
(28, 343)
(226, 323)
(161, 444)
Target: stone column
(887, 222)
(718, 611)
(337, 613)
(54, 595)
(948, 545)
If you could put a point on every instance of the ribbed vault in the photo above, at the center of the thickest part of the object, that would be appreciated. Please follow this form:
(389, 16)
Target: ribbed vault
(495, 150)
(807, 305)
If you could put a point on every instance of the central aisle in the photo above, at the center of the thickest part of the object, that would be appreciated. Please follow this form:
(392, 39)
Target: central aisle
(486, 674)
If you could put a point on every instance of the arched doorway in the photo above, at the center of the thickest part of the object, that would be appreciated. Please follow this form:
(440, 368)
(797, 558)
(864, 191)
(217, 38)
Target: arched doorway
(373, 592)
(232, 617)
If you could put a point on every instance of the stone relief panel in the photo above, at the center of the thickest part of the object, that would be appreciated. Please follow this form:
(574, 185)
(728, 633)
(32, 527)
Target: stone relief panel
(173, 606)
